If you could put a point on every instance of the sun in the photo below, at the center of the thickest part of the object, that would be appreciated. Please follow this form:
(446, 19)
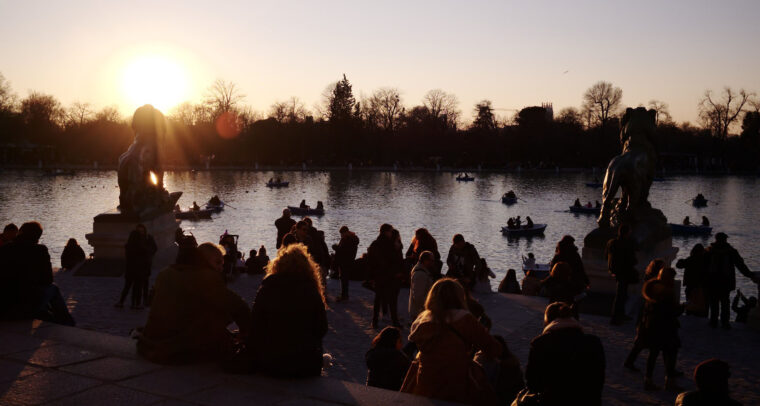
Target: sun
(155, 80)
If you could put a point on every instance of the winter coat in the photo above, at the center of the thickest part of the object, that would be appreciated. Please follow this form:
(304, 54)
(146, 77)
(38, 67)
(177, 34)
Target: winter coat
(658, 327)
(71, 256)
(288, 323)
(565, 366)
(421, 282)
(284, 225)
(722, 261)
(445, 357)
(345, 252)
(385, 261)
(621, 259)
(24, 268)
(189, 315)
(462, 262)
(386, 368)
(138, 254)
(509, 286)
(578, 276)
(694, 270)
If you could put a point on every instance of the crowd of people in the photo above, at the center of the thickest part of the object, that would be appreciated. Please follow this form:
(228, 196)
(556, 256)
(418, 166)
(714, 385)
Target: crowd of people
(450, 353)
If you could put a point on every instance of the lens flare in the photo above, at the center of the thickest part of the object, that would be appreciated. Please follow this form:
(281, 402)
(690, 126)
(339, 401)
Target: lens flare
(155, 80)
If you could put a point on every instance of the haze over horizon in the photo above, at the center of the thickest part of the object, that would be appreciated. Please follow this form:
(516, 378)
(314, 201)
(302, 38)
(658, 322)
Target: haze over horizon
(516, 54)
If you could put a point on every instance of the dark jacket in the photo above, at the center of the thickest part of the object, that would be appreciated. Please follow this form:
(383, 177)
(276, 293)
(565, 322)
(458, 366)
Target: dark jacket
(659, 324)
(578, 277)
(189, 314)
(694, 270)
(621, 259)
(386, 368)
(385, 261)
(697, 398)
(71, 256)
(566, 366)
(722, 261)
(288, 323)
(283, 224)
(138, 254)
(24, 268)
(345, 252)
(558, 290)
(462, 262)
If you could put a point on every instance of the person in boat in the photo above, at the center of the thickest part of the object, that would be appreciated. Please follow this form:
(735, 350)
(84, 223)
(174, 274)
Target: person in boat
(700, 197)
(303, 204)
(511, 223)
(686, 221)
(518, 222)
(577, 203)
(705, 221)
(177, 209)
(511, 194)
(529, 263)
(588, 205)
(215, 201)
(195, 207)
(598, 205)
(528, 222)
(271, 181)
(320, 206)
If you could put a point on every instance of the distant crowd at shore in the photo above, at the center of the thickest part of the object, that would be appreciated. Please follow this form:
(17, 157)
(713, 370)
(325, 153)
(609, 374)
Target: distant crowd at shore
(450, 353)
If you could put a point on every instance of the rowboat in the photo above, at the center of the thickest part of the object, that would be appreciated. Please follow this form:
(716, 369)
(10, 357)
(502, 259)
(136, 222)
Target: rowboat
(298, 211)
(193, 214)
(215, 208)
(693, 229)
(465, 178)
(537, 229)
(585, 210)
(699, 202)
(509, 199)
(540, 271)
(277, 184)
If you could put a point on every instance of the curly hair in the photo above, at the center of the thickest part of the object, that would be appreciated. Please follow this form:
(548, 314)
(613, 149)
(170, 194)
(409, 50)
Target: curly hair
(295, 259)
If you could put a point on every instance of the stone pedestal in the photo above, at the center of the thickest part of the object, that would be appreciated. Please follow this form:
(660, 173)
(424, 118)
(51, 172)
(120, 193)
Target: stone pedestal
(110, 233)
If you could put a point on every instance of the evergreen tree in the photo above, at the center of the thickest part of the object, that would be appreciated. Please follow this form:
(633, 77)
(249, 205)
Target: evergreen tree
(342, 102)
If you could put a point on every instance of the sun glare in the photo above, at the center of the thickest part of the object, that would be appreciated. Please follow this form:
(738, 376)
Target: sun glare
(155, 80)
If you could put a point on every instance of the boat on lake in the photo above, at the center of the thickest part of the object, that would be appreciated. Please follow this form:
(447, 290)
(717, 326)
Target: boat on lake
(277, 184)
(465, 178)
(699, 202)
(691, 229)
(509, 198)
(203, 214)
(306, 211)
(585, 209)
(540, 271)
(537, 229)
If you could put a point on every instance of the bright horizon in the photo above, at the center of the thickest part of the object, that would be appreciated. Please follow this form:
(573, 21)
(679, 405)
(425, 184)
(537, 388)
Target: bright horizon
(515, 54)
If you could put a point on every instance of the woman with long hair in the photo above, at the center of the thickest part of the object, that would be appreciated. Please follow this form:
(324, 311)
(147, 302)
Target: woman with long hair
(386, 363)
(445, 334)
(289, 318)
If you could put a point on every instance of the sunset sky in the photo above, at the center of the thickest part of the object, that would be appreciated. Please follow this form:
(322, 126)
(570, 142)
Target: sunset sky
(515, 53)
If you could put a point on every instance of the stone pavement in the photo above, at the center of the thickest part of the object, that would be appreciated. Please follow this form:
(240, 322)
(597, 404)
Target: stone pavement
(42, 363)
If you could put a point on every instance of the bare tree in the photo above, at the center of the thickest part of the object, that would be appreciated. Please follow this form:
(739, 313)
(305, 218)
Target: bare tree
(442, 105)
(719, 114)
(109, 114)
(385, 105)
(662, 115)
(571, 116)
(603, 99)
(78, 113)
(8, 99)
(223, 96)
(292, 111)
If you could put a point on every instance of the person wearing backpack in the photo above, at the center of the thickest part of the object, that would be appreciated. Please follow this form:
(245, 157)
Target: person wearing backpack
(722, 261)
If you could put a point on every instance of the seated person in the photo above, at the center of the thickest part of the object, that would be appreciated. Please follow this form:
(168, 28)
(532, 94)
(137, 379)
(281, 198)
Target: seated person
(386, 363)
(510, 223)
(518, 223)
(27, 290)
(191, 310)
(528, 222)
(320, 206)
(262, 259)
(577, 203)
(251, 264)
(177, 208)
(705, 221)
(711, 377)
(72, 255)
(215, 201)
(686, 221)
(742, 312)
(195, 207)
(271, 180)
(529, 262)
(509, 284)
(303, 204)
(588, 205)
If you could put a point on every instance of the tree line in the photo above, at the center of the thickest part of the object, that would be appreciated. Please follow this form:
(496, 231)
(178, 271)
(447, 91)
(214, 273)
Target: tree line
(382, 130)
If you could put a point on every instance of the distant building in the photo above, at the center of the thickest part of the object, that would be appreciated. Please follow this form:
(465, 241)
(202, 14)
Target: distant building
(549, 111)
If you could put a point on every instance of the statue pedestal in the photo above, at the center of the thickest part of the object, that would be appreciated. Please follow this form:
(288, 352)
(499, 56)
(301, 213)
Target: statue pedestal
(110, 233)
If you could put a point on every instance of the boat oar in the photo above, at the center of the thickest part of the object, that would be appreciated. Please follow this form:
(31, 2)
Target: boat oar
(227, 204)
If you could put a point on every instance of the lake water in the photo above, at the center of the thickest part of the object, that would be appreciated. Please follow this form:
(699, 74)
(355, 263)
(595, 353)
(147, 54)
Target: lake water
(65, 205)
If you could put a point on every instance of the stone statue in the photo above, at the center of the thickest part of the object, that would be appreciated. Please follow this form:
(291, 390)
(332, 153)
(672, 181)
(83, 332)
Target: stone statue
(141, 180)
(632, 171)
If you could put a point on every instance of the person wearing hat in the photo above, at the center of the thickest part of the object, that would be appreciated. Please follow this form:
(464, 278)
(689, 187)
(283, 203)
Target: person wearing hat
(722, 261)
(711, 377)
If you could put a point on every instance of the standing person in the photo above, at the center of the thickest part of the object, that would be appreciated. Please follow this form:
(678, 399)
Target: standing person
(694, 273)
(385, 264)
(621, 259)
(722, 260)
(27, 290)
(558, 287)
(424, 241)
(192, 308)
(386, 363)
(345, 255)
(283, 224)
(72, 255)
(139, 253)
(288, 317)
(565, 365)
(567, 252)
(640, 343)
(421, 282)
(446, 333)
(462, 259)
(659, 328)
(9, 233)
(711, 377)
